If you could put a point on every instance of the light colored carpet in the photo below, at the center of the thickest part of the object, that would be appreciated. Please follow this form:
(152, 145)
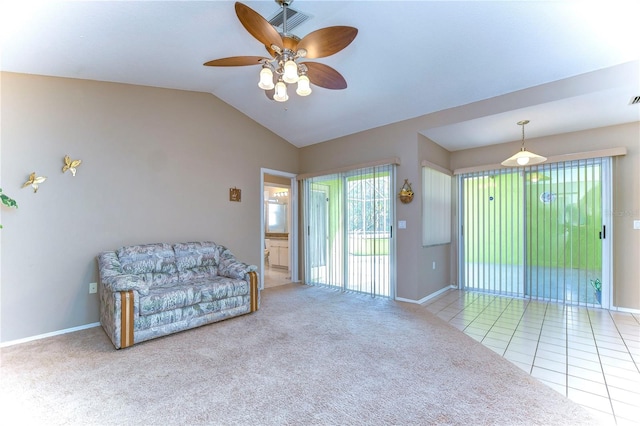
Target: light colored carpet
(308, 356)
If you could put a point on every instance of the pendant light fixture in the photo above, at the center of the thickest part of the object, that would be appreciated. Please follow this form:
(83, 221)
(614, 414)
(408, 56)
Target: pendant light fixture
(523, 157)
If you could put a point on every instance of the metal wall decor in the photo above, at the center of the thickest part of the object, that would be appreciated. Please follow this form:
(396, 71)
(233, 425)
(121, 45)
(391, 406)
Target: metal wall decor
(70, 165)
(234, 194)
(406, 193)
(34, 181)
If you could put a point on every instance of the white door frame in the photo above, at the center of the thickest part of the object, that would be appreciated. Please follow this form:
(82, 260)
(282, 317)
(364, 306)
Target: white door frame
(293, 224)
(606, 180)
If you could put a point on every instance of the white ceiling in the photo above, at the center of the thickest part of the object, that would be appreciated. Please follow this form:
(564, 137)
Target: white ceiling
(577, 59)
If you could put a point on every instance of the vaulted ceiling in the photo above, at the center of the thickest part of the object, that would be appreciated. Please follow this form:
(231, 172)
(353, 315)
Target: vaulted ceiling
(568, 65)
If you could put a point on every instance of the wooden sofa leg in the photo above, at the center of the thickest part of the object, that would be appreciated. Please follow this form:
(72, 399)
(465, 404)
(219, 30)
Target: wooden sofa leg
(253, 277)
(126, 314)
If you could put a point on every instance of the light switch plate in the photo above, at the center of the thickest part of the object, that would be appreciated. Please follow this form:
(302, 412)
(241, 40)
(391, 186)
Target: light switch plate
(402, 224)
(636, 224)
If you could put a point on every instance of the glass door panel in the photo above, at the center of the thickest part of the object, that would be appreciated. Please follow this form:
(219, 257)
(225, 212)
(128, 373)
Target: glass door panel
(368, 218)
(349, 240)
(534, 232)
(564, 220)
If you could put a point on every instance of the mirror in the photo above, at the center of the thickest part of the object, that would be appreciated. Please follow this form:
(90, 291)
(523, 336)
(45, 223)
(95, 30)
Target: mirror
(276, 219)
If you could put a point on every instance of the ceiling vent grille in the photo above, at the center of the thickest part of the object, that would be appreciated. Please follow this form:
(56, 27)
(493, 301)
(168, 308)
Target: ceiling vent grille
(635, 100)
(294, 18)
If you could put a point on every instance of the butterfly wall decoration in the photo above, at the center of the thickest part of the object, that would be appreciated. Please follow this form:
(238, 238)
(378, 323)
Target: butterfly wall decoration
(70, 165)
(34, 181)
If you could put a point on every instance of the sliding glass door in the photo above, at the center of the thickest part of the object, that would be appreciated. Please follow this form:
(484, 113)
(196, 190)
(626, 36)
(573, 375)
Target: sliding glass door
(536, 232)
(348, 219)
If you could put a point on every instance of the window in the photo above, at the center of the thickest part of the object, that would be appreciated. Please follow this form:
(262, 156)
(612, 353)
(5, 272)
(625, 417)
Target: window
(436, 207)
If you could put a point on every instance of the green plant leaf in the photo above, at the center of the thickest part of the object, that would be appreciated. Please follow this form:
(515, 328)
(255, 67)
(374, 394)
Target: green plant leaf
(7, 201)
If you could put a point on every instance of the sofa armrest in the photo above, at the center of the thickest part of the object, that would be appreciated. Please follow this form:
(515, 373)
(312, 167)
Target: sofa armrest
(112, 277)
(126, 282)
(229, 266)
(235, 269)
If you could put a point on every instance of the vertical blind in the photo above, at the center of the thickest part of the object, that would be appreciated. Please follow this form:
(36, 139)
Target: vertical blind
(535, 232)
(348, 218)
(436, 207)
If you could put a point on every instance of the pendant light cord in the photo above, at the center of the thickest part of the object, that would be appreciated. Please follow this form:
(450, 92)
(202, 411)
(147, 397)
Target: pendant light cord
(523, 123)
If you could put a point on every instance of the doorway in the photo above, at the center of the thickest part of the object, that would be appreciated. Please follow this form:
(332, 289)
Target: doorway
(538, 233)
(278, 228)
(348, 233)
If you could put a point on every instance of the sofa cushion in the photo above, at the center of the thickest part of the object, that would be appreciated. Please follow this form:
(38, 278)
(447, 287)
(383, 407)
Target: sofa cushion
(147, 258)
(197, 261)
(185, 294)
(160, 300)
(160, 279)
(167, 322)
(198, 274)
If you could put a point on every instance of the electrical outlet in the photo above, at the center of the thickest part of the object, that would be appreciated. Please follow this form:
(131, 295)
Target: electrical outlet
(93, 288)
(434, 265)
(636, 224)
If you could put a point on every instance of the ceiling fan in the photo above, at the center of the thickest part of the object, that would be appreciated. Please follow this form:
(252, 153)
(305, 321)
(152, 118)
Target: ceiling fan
(286, 50)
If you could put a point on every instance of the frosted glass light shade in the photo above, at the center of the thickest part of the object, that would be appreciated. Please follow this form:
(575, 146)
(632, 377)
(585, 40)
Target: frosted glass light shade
(266, 79)
(281, 92)
(290, 72)
(524, 158)
(304, 89)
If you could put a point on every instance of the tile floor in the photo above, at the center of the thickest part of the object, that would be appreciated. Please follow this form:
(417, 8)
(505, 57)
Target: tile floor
(590, 355)
(274, 277)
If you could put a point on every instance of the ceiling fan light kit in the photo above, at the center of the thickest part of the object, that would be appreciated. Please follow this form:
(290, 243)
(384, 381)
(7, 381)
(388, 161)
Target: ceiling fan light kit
(523, 157)
(266, 79)
(281, 92)
(304, 88)
(290, 74)
(286, 51)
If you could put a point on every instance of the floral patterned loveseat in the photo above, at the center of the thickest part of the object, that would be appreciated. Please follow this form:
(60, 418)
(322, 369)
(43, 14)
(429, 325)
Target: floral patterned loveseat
(152, 290)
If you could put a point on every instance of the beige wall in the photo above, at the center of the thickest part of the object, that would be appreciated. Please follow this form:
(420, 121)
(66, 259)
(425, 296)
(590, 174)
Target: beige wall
(444, 274)
(626, 192)
(157, 166)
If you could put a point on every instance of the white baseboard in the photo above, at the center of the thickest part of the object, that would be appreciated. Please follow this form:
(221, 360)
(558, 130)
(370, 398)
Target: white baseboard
(627, 310)
(399, 299)
(53, 333)
(429, 297)
(453, 286)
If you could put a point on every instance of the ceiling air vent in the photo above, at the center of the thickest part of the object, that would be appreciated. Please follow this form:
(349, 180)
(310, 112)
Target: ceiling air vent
(635, 100)
(294, 18)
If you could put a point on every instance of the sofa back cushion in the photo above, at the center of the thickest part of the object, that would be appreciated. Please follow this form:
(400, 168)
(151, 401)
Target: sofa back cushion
(156, 262)
(197, 261)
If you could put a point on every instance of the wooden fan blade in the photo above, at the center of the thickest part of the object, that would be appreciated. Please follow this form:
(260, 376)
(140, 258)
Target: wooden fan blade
(327, 41)
(235, 61)
(324, 76)
(257, 26)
